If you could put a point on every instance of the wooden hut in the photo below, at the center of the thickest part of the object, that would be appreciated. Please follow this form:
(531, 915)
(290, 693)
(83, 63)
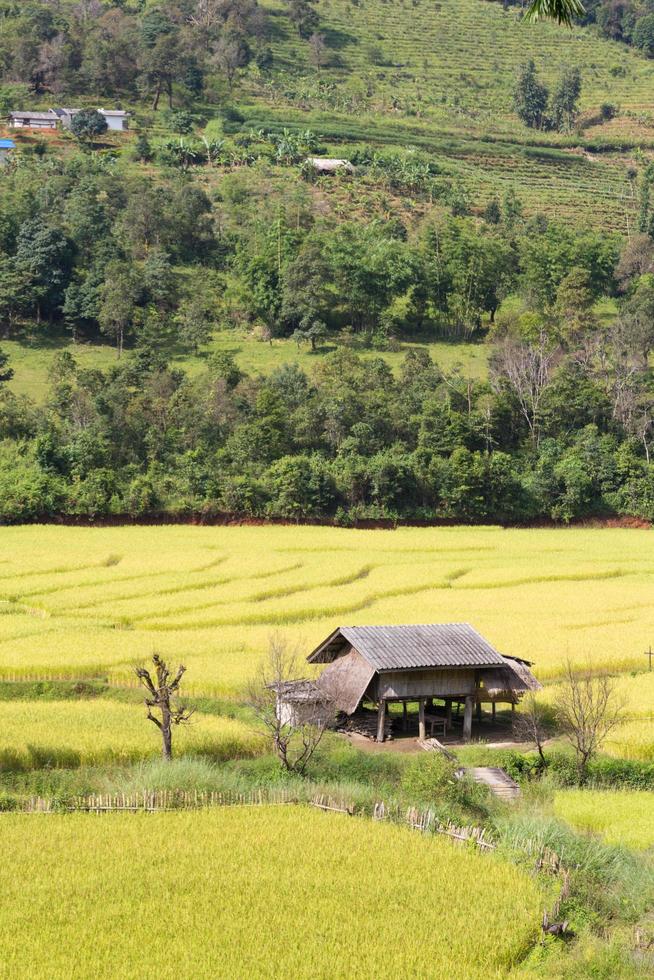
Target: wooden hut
(302, 702)
(330, 165)
(450, 662)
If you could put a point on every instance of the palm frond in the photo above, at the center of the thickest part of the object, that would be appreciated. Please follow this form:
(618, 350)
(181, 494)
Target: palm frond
(562, 11)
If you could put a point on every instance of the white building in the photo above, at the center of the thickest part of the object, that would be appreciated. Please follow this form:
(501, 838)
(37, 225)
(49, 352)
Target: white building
(117, 119)
(33, 120)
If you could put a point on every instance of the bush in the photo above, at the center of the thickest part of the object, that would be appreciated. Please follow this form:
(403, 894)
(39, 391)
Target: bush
(602, 771)
(608, 111)
(429, 778)
(180, 121)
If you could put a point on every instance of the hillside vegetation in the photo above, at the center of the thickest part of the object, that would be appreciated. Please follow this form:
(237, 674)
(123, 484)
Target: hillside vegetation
(470, 307)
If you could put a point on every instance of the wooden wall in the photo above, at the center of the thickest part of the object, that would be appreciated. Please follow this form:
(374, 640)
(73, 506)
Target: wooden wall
(413, 684)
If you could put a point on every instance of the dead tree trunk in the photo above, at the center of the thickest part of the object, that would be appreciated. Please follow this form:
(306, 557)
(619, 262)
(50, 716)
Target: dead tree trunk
(162, 697)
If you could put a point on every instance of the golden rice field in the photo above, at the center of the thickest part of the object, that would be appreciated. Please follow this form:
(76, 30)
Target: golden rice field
(254, 892)
(92, 601)
(620, 816)
(37, 734)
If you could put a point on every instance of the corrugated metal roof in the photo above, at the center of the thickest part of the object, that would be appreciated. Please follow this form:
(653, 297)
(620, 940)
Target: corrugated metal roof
(409, 647)
(33, 115)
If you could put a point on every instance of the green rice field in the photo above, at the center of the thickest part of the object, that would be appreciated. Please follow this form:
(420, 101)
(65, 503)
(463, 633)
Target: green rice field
(620, 816)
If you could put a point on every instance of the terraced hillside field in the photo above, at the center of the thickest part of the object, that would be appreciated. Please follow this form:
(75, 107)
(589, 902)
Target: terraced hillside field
(455, 60)
(257, 892)
(78, 602)
(440, 77)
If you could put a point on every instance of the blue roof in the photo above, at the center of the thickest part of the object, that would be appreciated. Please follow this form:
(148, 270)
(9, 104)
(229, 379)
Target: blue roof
(7, 145)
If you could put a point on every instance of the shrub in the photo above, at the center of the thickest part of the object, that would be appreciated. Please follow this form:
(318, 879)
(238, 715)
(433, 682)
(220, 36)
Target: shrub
(608, 111)
(180, 121)
(429, 777)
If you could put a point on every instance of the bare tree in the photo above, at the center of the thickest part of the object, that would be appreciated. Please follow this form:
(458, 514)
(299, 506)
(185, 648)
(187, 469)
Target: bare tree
(229, 54)
(588, 709)
(162, 697)
(526, 368)
(318, 50)
(293, 714)
(533, 724)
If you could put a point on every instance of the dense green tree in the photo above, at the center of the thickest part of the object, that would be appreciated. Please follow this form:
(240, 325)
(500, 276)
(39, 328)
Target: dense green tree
(565, 100)
(6, 373)
(368, 269)
(44, 257)
(87, 125)
(119, 296)
(643, 35)
(530, 97)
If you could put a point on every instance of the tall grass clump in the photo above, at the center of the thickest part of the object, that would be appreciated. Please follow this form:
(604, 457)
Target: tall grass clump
(607, 883)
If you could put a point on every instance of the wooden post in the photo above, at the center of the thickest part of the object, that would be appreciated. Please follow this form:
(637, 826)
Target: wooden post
(448, 714)
(381, 719)
(405, 717)
(467, 720)
(512, 708)
(478, 710)
(493, 711)
(421, 718)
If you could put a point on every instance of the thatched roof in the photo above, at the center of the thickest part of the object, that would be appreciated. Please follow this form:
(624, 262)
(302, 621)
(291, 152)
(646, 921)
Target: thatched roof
(346, 680)
(512, 680)
(300, 692)
(411, 647)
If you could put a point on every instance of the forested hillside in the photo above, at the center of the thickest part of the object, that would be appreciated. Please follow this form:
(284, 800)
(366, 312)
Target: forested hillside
(195, 319)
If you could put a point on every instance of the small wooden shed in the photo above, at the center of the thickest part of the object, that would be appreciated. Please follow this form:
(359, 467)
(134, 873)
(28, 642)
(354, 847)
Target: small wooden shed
(330, 165)
(446, 661)
(29, 119)
(302, 702)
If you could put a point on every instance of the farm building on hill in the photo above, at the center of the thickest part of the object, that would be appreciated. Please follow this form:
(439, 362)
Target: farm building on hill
(448, 662)
(328, 165)
(28, 119)
(117, 119)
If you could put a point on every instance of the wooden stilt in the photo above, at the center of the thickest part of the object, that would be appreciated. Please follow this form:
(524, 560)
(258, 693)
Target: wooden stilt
(493, 711)
(448, 714)
(381, 720)
(405, 717)
(478, 710)
(421, 719)
(467, 720)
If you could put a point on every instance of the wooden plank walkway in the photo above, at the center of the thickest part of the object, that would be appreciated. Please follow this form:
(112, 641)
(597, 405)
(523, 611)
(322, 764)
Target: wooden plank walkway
(498, 782)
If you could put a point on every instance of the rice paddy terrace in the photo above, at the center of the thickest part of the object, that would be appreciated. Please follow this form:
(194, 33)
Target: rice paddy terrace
(440, 77)
(80, 602)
